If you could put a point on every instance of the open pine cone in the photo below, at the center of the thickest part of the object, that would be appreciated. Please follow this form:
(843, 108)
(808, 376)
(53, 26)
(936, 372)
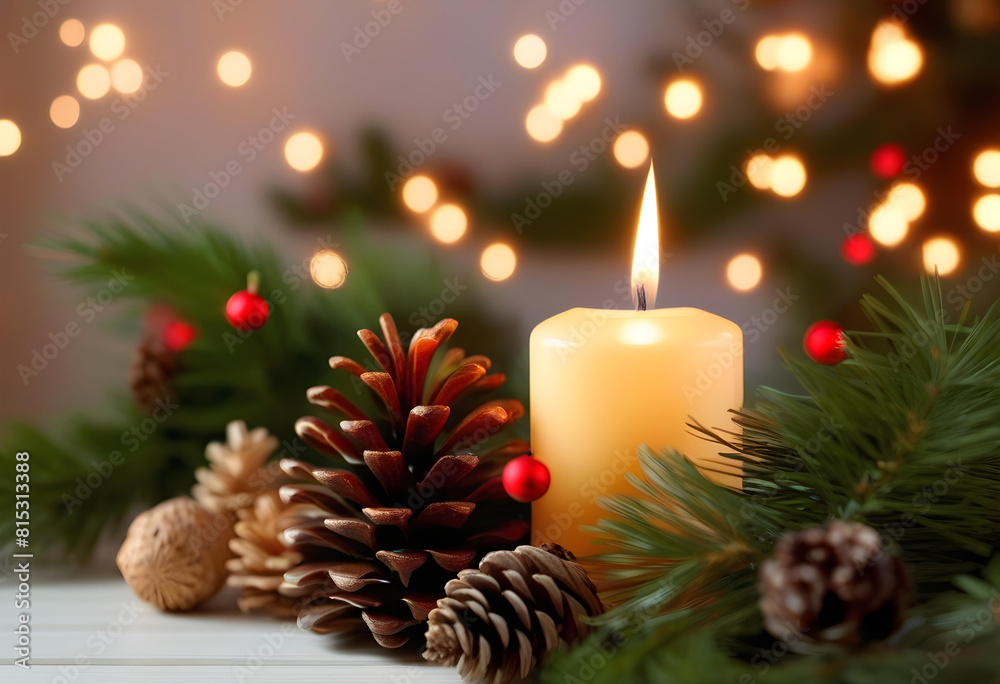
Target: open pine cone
(413, 505)
(151, 373)
(497, 622)
(260, 558)
(833, 584)
(235, 476)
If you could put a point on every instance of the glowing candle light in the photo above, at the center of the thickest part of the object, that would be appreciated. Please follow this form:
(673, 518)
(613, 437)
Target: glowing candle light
(604, 381)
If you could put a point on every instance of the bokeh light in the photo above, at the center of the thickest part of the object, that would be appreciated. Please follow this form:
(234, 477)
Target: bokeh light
(529, 51)
(683, 99)
(858, 249)
(887, 225)
(631, 149)
(758, 171)
(93, 81)
(744, 272)
(64, 111)
(328, 269)
(126, 76)
(303, 151)
(794, 52)
(234, 68)
(942, 254)
(107, 42)
(892, 57)
(986, 168)
(420, 193)
(909, 199)
(498, 261)
(542, 124)
(766, 52)
(448, 223)
(562, 100)
(584, 81)
(787, 176)
(71, 32)
(10, 137)
(986, 212)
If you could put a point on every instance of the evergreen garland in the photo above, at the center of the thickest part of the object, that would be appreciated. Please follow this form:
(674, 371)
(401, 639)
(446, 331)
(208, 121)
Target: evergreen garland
(903, 436)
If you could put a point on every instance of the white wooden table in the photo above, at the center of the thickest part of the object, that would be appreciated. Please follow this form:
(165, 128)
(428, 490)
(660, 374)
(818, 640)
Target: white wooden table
(93, 630)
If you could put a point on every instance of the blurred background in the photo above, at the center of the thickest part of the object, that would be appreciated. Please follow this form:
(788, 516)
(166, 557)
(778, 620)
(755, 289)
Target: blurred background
(800, 149)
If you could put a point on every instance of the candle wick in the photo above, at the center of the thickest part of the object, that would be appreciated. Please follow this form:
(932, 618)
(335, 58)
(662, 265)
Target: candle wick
(640, 297)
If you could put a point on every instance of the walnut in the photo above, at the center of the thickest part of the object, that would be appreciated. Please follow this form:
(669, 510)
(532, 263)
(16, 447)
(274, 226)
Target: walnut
(174, 555)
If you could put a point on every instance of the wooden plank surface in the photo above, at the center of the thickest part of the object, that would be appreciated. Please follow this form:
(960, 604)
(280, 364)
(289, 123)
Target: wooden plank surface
(93, 630)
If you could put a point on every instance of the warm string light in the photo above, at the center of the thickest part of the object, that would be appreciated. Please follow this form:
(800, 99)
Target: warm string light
(107, 42)
(744, 272)
(328, 269)
(10, 137)
(303, 151)
(787, 176)
(986, 168)
(893, 58)
(909, 199)
(564, 97)
(498, 261)
(888, 225)
(631, 149)
(758, 170)
(93, 81)
(529, 51)
(234, 68)
(790, 52)
(71, 32)
(448, 223)
(420, 193)
(683, 98)
(941, 254)
(65, 111)
(986, 212)
(126, 76)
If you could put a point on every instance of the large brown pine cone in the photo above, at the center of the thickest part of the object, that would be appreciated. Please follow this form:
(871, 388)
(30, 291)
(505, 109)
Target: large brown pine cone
(833, 584)
(412, 504)
(151, 373)
(498, 621)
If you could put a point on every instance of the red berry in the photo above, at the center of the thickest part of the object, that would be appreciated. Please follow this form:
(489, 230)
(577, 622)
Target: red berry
(247, 310)
(887, 160)
(525, 478)
(824, 343)
(858, 249)
(177, 335)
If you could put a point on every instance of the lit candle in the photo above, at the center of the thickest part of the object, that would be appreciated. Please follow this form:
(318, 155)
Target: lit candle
(605, 381)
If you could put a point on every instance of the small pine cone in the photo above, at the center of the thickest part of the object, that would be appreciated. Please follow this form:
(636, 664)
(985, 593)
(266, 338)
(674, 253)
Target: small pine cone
(498, 621)
(833, 584)
(151, 373)
(260, 558)
(235, 476)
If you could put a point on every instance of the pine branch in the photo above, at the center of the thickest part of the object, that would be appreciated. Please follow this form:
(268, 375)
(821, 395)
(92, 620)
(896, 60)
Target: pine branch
(260, 378)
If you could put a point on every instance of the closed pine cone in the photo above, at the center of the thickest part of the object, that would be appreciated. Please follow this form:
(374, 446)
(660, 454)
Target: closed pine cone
(261, 559)
(412, 506)
(236, 473)
(151, 373)
(497, 622)
(833, 584)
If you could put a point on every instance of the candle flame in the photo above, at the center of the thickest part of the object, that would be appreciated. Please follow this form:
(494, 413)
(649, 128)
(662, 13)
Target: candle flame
(646, 259)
